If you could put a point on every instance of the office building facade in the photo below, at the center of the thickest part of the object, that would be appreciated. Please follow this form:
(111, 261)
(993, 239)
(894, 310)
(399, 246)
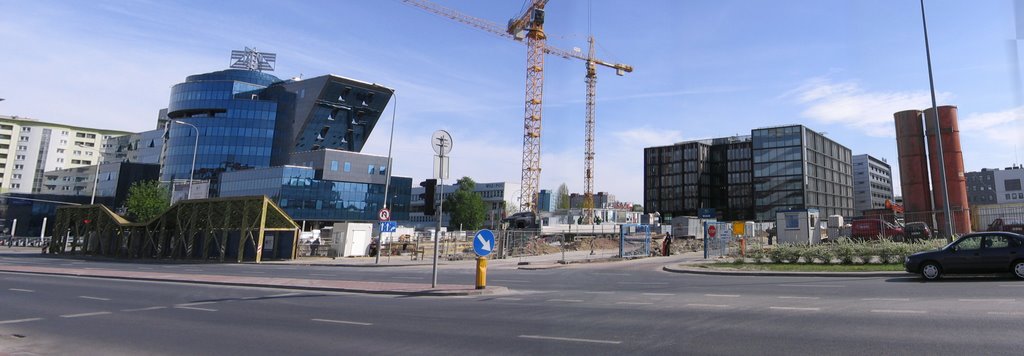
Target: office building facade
(981, 187)
(872, 183)
(750, 177)
(500, 199)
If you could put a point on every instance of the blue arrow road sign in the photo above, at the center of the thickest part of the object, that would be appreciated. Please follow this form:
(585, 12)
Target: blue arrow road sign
(388, 226)
(483, 243)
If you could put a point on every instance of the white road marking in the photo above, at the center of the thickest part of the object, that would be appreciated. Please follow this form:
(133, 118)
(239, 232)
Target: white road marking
(508, 298)
(662, 294)
(813, 285)
(645, 283)
(723, 295)
(145, 267)
(21, 290)
(898, 311)
(634, 303)
(84, 314)
(195, 308)
(93, 298)
(142, 309)
(19, 320)
(888, 299)
(988, 300)
(794, 308)
(791, 297)
(541, 337)
(566, 300)
(708, 305)
(342, 322)
(510, 280)
(598, 292)
(193, 304)
(990, 313)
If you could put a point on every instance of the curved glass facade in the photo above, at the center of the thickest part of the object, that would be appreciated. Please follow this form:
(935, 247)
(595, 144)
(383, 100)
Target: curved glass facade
(236, 128)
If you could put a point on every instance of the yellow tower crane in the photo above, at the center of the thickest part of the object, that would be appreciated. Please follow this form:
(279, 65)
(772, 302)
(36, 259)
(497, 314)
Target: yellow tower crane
(530, 26)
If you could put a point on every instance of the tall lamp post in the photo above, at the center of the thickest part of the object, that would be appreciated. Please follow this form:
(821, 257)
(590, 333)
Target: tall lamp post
(938, 134)
(96, 177)
(195, 150)
(387, 182)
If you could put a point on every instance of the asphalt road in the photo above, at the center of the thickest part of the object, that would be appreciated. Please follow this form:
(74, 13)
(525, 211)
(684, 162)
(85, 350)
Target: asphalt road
(608, 308)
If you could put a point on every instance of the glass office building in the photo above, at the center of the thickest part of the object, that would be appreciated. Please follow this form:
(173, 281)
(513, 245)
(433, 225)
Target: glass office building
(750, 177)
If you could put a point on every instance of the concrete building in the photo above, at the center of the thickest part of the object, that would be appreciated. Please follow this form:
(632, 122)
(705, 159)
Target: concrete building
(872, 183)
(500, 198)
(981, 187)
(750, 177)
(601, 200)
(546, 200)
(28, 148)
(1008, 185)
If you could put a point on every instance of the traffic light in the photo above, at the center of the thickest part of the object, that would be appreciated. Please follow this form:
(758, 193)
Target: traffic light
(429, 187)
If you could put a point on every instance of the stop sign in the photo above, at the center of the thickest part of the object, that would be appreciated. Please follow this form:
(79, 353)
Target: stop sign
(712, 230)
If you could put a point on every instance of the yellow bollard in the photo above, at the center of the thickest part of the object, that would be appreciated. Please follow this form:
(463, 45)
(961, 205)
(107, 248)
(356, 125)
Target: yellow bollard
(481, 272)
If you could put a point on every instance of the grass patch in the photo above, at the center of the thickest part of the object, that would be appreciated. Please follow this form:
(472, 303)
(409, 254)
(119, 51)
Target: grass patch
(794, 267)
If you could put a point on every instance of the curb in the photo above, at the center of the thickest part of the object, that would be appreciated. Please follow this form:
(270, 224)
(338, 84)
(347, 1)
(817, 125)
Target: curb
(410, 293)
(315, 264)
(720, 272)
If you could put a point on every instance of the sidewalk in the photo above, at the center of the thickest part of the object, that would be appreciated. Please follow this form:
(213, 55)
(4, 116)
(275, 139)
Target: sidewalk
(389, 288)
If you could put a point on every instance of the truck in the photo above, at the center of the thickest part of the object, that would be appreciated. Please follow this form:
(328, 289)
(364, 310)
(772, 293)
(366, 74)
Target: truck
(999, 224)
(872, 229)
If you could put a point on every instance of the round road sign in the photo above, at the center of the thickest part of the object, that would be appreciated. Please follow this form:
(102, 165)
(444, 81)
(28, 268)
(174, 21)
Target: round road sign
(384, 214)
(712, 230)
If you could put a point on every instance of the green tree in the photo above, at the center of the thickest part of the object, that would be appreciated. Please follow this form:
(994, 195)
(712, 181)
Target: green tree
(466, 208)
(147, 200)
(563, 197)
(638, 207)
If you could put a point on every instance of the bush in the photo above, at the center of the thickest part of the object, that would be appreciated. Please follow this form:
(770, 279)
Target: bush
(845, 251)
(757, 254)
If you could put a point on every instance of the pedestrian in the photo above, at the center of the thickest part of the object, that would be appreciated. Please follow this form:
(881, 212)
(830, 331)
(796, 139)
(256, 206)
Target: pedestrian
(668, 245)
(313, 247)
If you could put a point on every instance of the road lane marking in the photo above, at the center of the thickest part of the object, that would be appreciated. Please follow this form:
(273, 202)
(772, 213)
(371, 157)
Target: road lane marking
(342, 322)
(93, 298)
(888, 299)
(662, 294)
(708, 305)
(611, 274)
(19, 320)
(794, 308)
(143, 309)
(990, 313)
(84, 314)
(723, 295)
(556, 338)
(566, 300)
(193, 304)
(634, 303)
(645, 283)
(510, 280)
(989, 300)
(508, 298)
(21, 290)
(813, 285)
(195, 308)
(898, 311)
(792, 297)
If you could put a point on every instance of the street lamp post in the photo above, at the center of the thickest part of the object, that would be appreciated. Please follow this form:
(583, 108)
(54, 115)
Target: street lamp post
(96, 177)
(195, 150)
(938, 134)
(387, 182)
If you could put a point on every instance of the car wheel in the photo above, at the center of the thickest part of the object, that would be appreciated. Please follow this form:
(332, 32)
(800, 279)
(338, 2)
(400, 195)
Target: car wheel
(931, 270)
(1018, 269)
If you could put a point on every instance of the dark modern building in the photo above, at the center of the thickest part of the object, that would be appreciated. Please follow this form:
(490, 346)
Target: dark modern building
(872, 183)
(546, 201)
(601, 200)
(248, 119)
(981, 187)
(750, 177)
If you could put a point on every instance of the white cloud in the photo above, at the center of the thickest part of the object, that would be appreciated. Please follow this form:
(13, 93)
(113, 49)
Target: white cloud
(849, 105)
(1002, 128)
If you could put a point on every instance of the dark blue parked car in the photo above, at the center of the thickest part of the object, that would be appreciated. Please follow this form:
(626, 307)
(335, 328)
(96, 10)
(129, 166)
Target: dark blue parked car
(981, 252)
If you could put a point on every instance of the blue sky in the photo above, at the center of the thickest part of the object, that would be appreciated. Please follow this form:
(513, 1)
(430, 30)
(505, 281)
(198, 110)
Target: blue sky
(703, 69)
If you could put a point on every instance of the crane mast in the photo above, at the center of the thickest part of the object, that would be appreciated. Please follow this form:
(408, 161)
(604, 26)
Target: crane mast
(529, 26)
